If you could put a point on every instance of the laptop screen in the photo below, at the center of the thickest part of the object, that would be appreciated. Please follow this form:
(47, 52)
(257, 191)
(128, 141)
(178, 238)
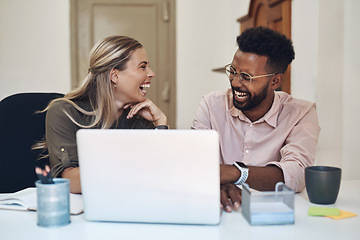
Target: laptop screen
(162, 176)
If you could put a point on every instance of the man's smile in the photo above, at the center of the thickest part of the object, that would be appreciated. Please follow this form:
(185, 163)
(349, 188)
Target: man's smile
(240, 95)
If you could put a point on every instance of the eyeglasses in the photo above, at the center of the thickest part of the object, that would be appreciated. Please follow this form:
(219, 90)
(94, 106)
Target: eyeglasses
(244, 77)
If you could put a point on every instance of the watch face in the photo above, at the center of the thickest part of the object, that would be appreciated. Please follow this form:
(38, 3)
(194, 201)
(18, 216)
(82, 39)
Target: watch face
(241, 164)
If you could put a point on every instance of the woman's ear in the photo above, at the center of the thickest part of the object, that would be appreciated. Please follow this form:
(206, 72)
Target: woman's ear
(277, 81)
(114, 75)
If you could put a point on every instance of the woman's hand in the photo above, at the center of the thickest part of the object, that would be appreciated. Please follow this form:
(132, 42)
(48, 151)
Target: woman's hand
(148, 110)
(44, 174)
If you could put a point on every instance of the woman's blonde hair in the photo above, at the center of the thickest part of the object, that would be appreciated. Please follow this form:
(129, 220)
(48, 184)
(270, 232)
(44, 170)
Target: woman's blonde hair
(110, 53)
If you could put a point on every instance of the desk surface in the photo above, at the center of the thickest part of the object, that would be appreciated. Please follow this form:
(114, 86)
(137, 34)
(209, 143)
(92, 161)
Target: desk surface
(22, 225)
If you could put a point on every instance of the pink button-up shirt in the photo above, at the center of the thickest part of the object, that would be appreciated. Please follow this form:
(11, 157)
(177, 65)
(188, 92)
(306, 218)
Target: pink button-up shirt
(286, 136)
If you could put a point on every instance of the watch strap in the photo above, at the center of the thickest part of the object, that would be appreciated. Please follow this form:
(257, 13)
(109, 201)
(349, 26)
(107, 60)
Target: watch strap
(244, 174)
(161, 127)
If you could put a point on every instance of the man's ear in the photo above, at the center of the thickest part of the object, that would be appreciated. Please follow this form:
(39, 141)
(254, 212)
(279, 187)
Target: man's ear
(114, 75)
(277, 81)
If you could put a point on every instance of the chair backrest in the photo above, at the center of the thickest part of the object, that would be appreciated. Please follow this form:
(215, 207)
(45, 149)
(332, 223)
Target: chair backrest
(20, 128)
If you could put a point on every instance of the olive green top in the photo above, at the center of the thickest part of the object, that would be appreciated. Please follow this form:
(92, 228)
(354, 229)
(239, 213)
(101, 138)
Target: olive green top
(61, 132)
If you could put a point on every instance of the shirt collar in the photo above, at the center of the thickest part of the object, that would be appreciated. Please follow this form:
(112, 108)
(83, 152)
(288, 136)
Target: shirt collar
(270, 117)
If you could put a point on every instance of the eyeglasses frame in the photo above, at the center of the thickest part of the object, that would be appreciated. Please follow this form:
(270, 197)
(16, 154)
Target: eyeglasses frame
(242, 80)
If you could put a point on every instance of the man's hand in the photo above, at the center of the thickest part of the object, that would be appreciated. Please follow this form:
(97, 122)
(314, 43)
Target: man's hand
(228, 174)
(230, 196)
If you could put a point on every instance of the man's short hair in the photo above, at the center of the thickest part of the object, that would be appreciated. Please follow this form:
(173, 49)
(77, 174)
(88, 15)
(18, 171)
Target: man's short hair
(266, 42)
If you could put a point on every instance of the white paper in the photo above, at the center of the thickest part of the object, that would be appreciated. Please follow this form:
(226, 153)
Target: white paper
(26, 200)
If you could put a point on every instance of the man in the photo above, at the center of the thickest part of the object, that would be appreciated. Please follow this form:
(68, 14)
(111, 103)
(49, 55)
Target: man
(266, 136)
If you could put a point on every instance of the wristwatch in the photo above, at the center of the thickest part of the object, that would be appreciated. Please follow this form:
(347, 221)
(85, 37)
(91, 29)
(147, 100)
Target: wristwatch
(161, 127)
(244, 172)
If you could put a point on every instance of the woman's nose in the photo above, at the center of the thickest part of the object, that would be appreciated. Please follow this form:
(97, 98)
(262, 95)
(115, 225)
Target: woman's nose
(151, 73)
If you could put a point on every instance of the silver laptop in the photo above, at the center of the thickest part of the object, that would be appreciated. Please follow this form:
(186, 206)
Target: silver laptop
(153, 176)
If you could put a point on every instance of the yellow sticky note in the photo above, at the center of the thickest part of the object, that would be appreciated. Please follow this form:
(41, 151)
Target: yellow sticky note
(343, 214)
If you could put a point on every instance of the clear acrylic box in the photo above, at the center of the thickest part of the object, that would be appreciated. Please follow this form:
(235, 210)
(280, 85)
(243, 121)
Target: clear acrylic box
(268, 208)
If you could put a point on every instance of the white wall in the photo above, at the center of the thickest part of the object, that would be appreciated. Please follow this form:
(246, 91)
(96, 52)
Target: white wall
(305, 37)
(35, 56)
(330, 80)
(350, 91)
(326, 34)
(34, 46)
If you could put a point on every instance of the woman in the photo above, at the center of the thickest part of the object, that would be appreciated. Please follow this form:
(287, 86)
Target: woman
(112, 95)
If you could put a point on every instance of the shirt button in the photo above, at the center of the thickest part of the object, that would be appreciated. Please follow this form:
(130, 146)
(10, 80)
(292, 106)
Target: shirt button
(246, 151)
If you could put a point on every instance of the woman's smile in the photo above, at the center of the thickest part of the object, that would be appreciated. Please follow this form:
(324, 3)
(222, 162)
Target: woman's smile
(144, 85)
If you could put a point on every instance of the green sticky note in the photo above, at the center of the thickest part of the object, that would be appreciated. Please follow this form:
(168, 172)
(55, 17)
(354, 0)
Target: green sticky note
(323, 211)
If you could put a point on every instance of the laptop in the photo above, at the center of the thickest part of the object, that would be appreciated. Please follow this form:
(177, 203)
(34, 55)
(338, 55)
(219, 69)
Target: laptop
(150, 176)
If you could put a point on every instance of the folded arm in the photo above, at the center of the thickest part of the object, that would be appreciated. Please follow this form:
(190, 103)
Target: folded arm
(73, 174)
(61, 142)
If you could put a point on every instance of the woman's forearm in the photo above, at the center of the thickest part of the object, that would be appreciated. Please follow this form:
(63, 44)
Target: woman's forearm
(73, 174)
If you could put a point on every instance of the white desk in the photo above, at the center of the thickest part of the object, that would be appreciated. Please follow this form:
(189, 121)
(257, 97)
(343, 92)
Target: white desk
(22, 225)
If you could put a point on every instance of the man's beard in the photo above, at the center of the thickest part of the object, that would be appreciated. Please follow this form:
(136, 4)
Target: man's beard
(253, 100)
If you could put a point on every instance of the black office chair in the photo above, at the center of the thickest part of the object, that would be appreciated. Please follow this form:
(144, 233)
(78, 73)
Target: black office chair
(20, 128)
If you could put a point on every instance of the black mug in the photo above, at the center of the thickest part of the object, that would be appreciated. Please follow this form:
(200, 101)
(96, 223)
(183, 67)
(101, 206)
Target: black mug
(322, 184)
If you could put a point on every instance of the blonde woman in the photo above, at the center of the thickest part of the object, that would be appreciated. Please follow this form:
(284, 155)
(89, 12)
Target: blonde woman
(113, 95)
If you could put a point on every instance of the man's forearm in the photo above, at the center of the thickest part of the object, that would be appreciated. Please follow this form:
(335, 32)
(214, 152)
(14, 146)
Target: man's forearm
(228, 174)
(264, 178)
(260, 178)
